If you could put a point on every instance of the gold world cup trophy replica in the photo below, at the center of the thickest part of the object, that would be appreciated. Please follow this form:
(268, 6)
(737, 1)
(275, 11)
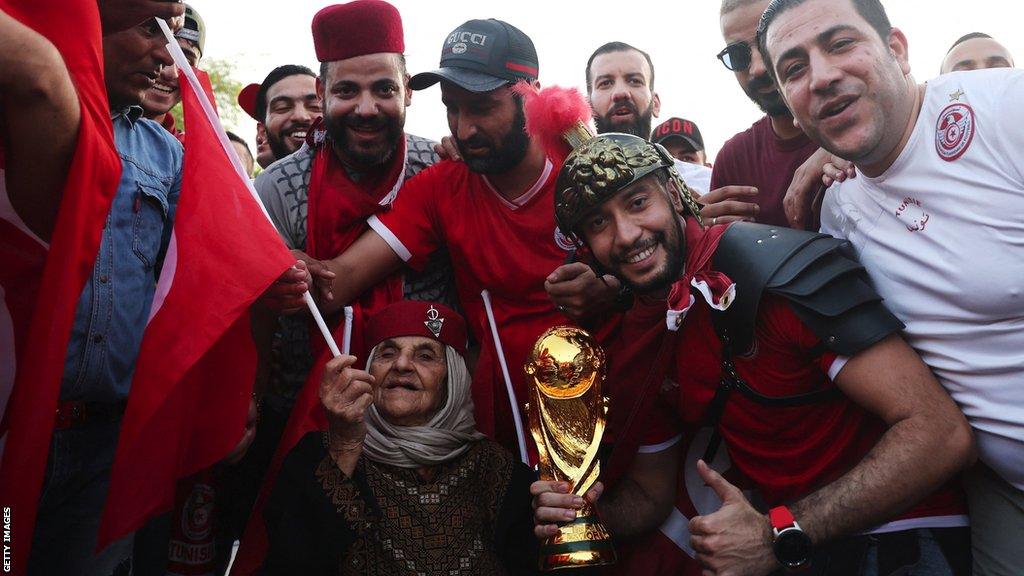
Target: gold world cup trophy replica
(567, 419)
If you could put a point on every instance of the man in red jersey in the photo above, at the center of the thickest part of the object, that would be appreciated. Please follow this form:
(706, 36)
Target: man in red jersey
(775, 340)
(492, 211)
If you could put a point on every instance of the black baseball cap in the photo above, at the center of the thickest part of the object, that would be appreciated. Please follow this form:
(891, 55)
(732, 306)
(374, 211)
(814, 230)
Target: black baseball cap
(482, 55)
(678, 128)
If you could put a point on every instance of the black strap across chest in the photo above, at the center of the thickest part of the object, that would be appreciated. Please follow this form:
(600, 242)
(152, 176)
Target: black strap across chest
(731, 381)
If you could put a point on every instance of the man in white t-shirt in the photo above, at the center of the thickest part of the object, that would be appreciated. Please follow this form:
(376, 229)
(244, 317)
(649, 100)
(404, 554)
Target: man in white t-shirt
(936, 215)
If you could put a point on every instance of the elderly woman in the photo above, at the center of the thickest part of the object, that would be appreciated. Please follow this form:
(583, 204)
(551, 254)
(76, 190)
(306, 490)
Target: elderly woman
(401, 483)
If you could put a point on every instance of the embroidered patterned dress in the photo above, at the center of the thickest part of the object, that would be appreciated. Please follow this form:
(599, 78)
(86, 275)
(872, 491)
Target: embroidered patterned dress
(472, 516)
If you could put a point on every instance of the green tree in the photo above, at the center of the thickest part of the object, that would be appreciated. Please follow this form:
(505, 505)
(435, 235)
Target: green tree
(225, 92)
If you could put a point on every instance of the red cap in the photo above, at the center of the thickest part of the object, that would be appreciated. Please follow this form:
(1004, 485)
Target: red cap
(247, 100)
(362, 27)
(416, 318)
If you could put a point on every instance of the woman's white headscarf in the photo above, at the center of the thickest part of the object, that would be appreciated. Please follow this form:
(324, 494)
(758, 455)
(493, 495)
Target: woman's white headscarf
(444, 437)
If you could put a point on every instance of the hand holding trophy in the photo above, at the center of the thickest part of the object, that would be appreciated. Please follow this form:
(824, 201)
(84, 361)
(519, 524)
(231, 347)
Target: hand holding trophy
(567, 420)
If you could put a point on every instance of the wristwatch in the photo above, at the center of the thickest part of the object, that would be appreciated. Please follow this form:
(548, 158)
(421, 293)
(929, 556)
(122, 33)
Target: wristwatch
(792, 546)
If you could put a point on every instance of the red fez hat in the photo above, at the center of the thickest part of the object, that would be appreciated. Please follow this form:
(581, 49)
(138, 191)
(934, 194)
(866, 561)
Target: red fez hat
(362, 27)
(247, 100)
(416, 318)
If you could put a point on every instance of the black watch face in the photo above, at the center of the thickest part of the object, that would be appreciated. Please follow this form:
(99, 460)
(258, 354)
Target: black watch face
(792, 547)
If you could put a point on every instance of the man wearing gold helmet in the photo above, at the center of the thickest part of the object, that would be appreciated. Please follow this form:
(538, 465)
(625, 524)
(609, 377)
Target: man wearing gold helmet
(773, 342)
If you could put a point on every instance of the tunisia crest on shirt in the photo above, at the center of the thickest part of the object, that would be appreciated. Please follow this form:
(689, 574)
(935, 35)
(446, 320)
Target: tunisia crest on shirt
(954, 131)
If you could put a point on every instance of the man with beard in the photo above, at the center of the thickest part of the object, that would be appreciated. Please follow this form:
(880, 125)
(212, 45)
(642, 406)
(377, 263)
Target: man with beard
(492, 211)
(620, 87)
(935, 213)
(287, 105)
(351, 165)
(620, 81)
(165, 94)
(776, 341)
(761, 161)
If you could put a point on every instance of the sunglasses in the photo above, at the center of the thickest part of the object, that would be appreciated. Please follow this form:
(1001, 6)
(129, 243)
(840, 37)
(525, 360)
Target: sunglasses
(736, 56)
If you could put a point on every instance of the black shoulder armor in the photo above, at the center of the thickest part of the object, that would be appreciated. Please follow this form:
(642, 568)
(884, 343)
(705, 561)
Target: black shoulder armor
(816, 273)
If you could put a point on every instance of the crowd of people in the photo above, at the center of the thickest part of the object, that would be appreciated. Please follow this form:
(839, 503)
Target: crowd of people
(813, 339)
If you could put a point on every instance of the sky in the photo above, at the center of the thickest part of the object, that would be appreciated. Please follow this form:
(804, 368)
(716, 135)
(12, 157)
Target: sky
(682, 37)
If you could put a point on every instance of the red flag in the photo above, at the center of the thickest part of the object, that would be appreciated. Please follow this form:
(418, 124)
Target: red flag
(39, 284)
(306, 416)
(197, 362)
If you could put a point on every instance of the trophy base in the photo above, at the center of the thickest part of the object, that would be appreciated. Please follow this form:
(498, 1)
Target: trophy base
(583, 542)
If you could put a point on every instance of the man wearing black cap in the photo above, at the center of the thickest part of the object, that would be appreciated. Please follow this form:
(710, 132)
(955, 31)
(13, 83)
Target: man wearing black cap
(492, 212)
(682, 139)
(165, 94)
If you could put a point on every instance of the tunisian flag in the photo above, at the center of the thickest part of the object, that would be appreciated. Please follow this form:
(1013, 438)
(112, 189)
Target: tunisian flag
(39, 283)
(197, 363)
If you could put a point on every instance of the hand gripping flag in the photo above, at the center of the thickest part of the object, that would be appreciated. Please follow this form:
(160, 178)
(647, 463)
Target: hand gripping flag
(40, 284)
(197, 363)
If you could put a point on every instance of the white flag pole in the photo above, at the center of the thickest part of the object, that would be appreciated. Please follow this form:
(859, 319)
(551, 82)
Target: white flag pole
(179, 59)
(486, 295)
(346, 339)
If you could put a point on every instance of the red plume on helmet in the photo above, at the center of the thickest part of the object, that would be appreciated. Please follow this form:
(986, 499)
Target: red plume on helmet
(557, 117)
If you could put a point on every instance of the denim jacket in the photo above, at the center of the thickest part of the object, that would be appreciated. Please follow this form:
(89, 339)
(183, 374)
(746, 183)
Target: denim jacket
(115, 302)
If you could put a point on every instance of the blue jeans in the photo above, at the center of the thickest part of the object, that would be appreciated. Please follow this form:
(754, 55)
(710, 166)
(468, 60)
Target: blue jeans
(920, 552)
(74, 490)
(997, 523)
(932, 561)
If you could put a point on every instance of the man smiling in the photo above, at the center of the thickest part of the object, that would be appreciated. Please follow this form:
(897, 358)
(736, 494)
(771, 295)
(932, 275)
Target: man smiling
(165, 93)
(935, 213)
(352, 163)
(110, 317)
(287, 105)
(827, 412)
(492, 211)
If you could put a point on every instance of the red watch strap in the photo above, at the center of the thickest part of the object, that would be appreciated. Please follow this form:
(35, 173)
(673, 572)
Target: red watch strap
(781, 517)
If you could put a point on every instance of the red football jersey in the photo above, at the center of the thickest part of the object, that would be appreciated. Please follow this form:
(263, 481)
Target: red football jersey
(496, 245)
(786, 452)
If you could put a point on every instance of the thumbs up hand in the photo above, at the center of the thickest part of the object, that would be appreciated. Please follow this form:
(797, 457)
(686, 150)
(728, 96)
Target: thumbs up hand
(736, 540)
